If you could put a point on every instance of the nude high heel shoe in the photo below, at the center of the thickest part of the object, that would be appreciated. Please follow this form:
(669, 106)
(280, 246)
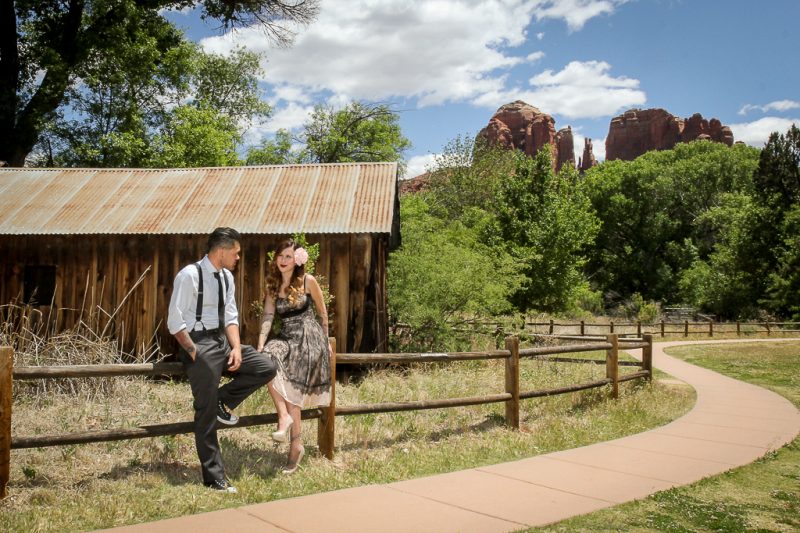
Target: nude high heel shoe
(281, 436)
(291, 468)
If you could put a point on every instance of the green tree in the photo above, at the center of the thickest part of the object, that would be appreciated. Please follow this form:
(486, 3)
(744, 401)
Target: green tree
(778, 231)
(783, 288)
(277, 151)
(544, 221)
(466, 175)
(126, 107)
(652, 209)
(777, 179)
(229, 84)
(357, 132)
(730, 280)
(46, 44)
(196, 137)
(442, 274)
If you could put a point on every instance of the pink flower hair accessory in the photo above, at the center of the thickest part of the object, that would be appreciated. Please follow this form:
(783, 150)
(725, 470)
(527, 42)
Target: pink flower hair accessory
(300, 256)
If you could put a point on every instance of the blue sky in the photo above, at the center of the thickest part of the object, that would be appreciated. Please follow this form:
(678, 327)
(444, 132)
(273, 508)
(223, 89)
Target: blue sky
(447, 65)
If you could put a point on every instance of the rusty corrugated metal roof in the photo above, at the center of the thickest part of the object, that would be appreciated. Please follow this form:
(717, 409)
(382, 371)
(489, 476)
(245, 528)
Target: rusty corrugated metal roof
(277, 199)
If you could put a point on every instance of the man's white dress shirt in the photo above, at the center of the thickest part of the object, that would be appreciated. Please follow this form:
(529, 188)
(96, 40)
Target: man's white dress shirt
(183, 302)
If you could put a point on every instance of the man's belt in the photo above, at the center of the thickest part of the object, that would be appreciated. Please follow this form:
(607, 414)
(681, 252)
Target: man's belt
(202, 333)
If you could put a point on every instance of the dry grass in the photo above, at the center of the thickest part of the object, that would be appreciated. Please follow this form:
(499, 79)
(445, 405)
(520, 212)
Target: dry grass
(70, 488)
(84, 487)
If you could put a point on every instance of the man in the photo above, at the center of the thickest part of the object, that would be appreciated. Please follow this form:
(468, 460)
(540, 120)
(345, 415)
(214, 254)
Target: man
(204, 319)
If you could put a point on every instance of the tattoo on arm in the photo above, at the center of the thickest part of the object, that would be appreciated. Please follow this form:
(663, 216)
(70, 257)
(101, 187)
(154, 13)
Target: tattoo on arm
(266, 323)
(186, 342)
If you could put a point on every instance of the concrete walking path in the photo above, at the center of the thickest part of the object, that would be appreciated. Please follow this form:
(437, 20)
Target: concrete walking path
(732, 424)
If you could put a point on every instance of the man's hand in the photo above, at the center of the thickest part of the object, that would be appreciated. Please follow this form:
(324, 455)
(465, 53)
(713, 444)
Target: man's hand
(187, 343)
(235, 359)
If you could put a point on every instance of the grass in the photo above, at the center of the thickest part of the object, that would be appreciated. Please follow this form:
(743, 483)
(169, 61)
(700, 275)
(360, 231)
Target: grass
(77, 488)
(763, 496)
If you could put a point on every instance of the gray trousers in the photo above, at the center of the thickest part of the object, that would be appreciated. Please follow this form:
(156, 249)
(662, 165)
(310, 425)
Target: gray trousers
(204, 374)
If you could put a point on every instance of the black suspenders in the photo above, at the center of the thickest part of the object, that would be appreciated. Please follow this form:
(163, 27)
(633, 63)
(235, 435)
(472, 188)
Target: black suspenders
(198, 314)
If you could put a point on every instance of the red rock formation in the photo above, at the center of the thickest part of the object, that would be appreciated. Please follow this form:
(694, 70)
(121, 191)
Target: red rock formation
(414, 185)
(587, 161)
(496, 133)
(637, 131)
(565, 148)
(696, 127)
(640, 130)
(523, 127)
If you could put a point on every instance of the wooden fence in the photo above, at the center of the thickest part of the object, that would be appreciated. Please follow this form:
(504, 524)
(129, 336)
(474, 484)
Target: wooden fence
(326, 416)
(662, 328)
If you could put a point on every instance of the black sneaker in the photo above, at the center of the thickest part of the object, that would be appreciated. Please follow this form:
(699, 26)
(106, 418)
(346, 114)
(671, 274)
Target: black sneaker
(221, 485)
(225, 416)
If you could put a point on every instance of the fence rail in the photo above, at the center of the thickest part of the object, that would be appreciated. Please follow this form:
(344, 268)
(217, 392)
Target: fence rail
(325, 415)
(686, 327)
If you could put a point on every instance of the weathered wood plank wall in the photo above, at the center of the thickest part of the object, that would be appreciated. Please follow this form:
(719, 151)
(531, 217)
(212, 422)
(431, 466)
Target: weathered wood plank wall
(98, 271)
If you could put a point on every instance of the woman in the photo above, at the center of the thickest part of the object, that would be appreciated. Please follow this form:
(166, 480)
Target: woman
(301, 349)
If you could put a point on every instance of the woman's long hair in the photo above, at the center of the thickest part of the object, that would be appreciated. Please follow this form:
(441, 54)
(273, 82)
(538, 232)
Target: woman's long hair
(275, 279)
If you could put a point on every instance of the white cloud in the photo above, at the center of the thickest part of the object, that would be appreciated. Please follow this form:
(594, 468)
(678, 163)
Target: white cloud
(289, 117)
(419, 164)
(580, 90)
(583, 74)
(430, 51)
(534, 57)
(440, 51)
(757, 133)
(576, 12)
(291, 93)
(778, 105)
(599, 149)
(540, 35)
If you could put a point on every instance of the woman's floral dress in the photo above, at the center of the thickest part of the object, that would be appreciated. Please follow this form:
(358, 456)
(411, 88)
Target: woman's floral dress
(302, 354)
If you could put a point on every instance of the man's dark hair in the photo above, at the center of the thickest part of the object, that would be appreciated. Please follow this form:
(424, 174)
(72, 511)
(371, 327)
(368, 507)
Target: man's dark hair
(223, 238)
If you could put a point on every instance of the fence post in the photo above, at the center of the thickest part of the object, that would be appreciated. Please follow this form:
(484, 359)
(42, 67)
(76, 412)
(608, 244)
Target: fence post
(647, 356)
(551, 327)
(738, 328)
(327, 423)
(638, 328)
(6, 364)
(662, 327)
(710, 328)
(612, 364)
(512, 382)
(685, 328)
(766, 324)
(611, 326)
(583, 328)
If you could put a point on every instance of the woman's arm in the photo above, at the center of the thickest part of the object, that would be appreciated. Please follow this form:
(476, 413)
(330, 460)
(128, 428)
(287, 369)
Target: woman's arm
(266, 321)
(319, 301)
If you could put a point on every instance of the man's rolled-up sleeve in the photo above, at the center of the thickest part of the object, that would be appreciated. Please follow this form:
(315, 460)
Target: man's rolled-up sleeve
(180, 302)
(231, 311)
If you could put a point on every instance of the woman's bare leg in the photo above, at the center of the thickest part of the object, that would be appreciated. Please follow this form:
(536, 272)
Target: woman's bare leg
(296, 441)
(284, 418)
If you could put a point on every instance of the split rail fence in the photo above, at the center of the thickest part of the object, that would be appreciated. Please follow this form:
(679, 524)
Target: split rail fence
(662, 328)
(511, 396)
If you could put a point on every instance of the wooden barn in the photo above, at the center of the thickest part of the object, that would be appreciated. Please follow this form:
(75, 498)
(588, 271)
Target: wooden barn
(105, 244)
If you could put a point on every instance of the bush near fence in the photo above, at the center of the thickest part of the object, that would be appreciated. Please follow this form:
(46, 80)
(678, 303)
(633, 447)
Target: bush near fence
(326, 416)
